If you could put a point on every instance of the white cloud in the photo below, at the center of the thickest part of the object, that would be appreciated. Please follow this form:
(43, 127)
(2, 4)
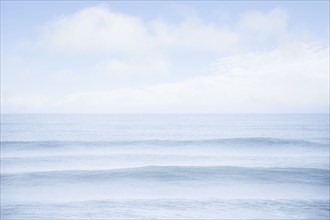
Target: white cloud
(21, 102)
(193, 34)
(96, 28)
(63, 76)
(292, 77)
(99, 29)
(133, 67)
(277, 80)
(273, 22)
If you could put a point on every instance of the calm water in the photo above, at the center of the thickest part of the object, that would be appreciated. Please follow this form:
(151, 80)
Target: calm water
(165, 166)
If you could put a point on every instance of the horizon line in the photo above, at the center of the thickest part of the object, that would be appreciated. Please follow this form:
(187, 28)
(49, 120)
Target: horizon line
(153, 113)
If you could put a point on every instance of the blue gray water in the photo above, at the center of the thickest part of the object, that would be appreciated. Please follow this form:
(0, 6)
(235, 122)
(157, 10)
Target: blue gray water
(210, 166)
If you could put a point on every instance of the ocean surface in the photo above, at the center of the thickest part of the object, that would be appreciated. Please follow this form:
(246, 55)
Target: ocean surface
(158, 166)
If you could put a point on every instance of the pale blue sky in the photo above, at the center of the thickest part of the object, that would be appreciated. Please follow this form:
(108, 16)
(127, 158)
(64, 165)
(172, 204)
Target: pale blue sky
(169, 56)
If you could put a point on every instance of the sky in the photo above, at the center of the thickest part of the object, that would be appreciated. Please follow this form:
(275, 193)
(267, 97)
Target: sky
(164, 56)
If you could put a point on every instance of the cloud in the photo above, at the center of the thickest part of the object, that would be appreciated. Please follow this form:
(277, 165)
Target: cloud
(276, 80)
(291, 78)
(260, 68)
(274, 22)
(24, 102)
(96, 28)
(194, 35)
(100, 29)
(145, 66)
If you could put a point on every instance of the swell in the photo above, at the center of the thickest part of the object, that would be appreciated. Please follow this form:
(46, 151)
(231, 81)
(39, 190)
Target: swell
(163, 174)
(249, 141)
(170, 209)
(105, 161)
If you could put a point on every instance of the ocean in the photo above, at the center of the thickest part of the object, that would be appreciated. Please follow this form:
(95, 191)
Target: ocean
(165, 166)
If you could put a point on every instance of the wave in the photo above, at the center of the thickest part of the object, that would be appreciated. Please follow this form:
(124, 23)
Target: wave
(244, 141)
(124, 160)
(165, 174)
(170, 209)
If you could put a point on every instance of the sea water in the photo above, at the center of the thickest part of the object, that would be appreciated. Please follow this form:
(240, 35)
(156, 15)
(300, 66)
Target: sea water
(158, 166)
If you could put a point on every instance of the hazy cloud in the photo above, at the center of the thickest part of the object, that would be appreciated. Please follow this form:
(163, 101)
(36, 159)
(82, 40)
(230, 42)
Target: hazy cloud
(259, 80)
(248, 76)
(98, 28)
